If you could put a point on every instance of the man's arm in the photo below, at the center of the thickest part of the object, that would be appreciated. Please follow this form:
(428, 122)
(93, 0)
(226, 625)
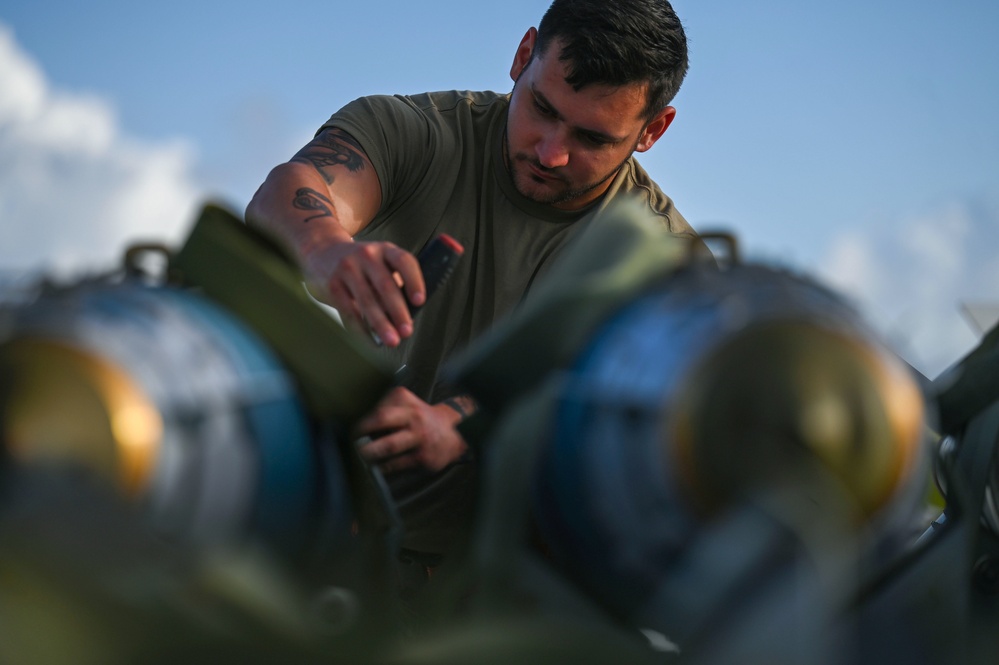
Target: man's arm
(326, 194)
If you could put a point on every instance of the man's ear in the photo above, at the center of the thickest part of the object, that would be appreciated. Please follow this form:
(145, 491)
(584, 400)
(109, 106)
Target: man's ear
(656, 128)
(524, 52)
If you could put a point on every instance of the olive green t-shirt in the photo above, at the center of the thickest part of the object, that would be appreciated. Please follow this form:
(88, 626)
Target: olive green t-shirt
(439, 159)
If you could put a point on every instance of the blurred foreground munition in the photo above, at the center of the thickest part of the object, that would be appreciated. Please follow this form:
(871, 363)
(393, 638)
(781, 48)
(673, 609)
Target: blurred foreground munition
(175, 420)
(723, 457)
(65, 404)
(718, 389)
(174, 401)
(83, 582)
(684, 461)
(796, 399)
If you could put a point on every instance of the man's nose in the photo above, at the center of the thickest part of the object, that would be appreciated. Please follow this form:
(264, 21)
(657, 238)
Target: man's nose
(552, 151)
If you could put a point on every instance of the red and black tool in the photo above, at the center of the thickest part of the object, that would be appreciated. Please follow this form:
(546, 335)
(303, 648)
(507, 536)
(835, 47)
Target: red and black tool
(437, 261)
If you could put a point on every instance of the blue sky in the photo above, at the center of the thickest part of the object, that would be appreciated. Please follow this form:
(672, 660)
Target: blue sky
(854, 141)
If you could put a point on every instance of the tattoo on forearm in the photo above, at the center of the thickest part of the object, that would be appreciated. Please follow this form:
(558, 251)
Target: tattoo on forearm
(307, 198)
(332, 148)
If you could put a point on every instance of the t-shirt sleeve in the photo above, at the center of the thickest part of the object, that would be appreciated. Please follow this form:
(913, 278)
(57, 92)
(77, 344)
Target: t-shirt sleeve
(397, 136)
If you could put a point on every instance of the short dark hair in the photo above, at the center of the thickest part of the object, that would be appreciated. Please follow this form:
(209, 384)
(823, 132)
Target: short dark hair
(617, 42)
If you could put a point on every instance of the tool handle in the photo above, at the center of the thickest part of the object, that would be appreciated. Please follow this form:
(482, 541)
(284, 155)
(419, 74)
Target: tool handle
(437, 261)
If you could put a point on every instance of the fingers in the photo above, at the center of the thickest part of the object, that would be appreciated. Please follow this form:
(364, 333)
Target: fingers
(408, 268)
(393, 412)
(404, 431)
(364, 289)
(391, 452)
(388, 446)
(391, 443)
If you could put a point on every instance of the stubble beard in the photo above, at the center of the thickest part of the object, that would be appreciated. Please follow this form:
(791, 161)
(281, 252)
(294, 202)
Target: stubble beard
(555, 198)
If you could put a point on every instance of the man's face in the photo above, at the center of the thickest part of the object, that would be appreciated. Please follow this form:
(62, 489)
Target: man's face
(563, 146)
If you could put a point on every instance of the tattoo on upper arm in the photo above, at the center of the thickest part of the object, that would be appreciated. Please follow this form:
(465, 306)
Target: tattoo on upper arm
(307, 198)
(332, 147)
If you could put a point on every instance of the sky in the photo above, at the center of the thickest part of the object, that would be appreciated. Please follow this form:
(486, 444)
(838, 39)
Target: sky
(853, 142)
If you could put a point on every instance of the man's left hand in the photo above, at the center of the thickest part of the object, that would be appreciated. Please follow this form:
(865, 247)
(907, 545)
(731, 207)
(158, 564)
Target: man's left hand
(407, 432)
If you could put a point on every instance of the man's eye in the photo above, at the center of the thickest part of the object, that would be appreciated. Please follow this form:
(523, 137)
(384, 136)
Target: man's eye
(597, 141)
(543, 110)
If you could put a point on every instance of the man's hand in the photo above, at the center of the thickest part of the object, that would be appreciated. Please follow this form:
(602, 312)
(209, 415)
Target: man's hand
(317, 203)
(407, 432)
(369, 284)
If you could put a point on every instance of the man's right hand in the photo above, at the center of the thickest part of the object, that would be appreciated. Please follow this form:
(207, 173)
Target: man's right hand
(371, 284)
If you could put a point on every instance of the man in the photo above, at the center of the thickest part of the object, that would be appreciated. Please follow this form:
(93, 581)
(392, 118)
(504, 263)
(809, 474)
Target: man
(511, 177)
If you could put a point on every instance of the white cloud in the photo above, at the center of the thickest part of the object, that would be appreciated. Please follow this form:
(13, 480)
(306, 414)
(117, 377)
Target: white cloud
(75, 191)
(910, 277)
